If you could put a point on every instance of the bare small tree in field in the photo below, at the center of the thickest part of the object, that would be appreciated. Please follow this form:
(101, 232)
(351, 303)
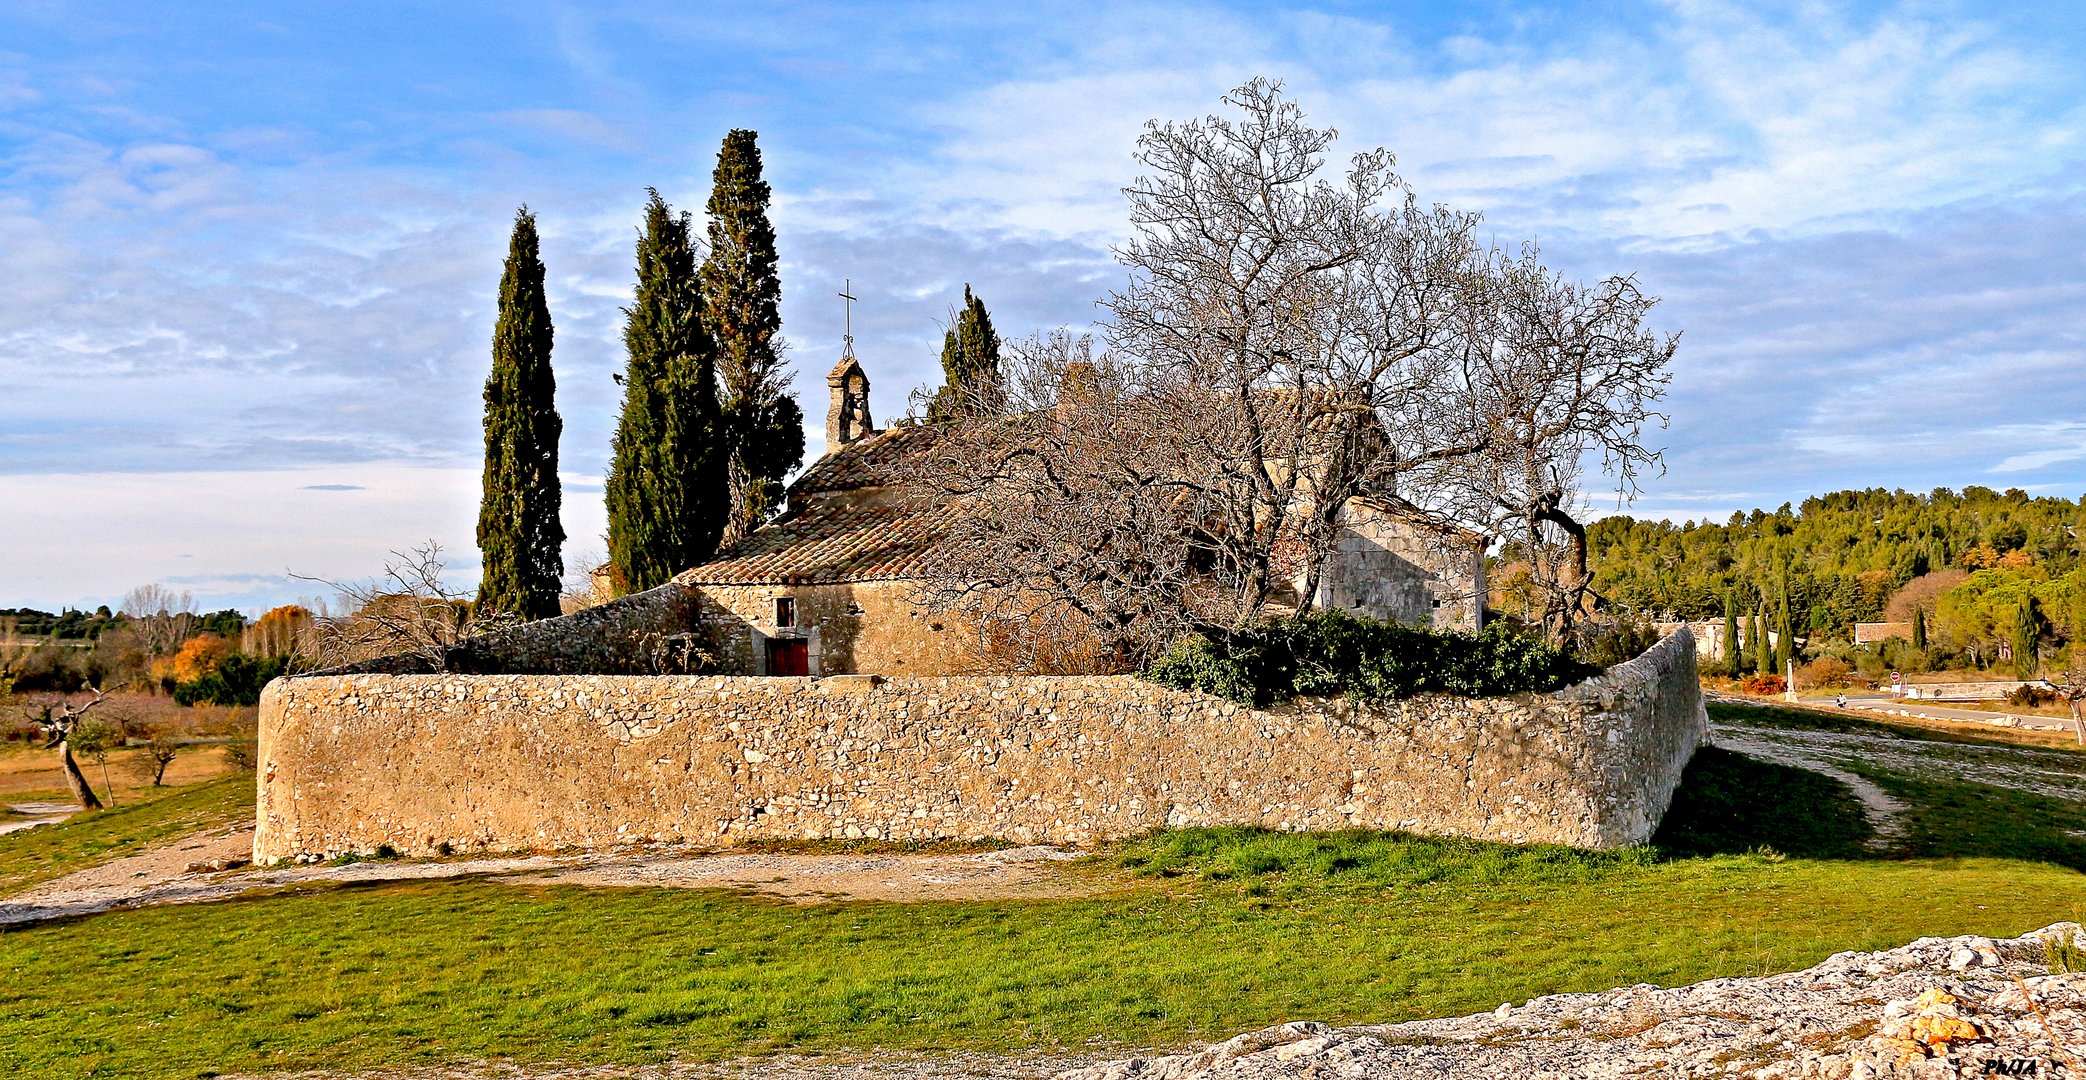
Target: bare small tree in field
(165, 740)
(59, 719)
(406, 610)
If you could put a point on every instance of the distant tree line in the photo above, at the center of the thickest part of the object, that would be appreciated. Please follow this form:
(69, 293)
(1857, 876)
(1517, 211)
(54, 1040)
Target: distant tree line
(1980, 577)
(153, 643)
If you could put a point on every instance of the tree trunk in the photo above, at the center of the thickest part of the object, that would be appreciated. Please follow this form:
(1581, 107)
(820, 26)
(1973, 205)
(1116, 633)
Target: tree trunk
(1568, 591)
(76, 780)
(2078, 725)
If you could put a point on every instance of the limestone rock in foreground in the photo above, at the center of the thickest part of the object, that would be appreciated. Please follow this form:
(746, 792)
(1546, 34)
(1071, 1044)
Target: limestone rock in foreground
(1939, 1007)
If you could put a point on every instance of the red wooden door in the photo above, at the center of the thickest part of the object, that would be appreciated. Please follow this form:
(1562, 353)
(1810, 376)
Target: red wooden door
(788, 656)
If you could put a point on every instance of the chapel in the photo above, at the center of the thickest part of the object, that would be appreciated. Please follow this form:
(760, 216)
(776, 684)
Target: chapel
(832, 585)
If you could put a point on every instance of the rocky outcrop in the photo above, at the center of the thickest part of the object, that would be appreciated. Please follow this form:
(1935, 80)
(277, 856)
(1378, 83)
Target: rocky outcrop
(1939, 1007)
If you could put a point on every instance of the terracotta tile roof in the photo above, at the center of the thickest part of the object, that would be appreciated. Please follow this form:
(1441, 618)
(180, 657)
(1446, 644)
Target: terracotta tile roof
(886, 457)
(830, 542)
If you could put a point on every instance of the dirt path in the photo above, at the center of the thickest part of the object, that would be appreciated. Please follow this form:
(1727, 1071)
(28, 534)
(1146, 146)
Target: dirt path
(191, 870)
(28, 815)
(1886, 815)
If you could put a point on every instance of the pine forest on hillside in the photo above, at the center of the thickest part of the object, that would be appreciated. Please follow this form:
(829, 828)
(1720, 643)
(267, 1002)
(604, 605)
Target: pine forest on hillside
(1967, 562)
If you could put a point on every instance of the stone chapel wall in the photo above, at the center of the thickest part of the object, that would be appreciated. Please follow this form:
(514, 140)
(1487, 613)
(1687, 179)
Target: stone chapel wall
(433, 764)
(868, 626)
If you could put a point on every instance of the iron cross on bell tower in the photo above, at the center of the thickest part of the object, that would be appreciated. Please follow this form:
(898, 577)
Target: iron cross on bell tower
(847, 317)
(848, 420)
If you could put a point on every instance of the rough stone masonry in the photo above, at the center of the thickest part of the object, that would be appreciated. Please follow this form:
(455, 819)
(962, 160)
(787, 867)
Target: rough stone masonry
(439, 764)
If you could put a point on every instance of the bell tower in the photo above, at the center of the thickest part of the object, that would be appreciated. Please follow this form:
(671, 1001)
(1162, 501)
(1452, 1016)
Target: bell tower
(847, 419)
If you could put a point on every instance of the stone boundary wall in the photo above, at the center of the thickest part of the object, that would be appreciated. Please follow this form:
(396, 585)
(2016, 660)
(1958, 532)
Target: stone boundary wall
(435, 764)
(616, 637)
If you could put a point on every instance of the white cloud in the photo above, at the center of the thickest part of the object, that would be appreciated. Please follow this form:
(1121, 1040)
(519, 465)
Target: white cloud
(235, 537)
(1864, 222)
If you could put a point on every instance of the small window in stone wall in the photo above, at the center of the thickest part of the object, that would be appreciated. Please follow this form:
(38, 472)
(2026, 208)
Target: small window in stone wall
(785, 611)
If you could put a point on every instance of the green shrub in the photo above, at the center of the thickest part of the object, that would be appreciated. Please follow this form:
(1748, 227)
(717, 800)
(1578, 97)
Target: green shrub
(237, 681)
(1334, 653)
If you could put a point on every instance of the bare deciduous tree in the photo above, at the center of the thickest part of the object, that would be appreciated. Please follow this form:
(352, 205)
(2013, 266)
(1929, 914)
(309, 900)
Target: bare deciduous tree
(1552, 374)
(2073, 689)
(1286, 344)
(1070, 517)
(161, 617)
(406, 610)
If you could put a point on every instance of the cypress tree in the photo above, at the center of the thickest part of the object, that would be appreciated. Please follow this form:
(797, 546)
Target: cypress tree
(742, 294)
(1763, 653)
(1751, 653)
(665, 491)
(1919, 631)
(1734, 663)
(2027, 629)
(1786, 651)
(519, 534)
(970, 364)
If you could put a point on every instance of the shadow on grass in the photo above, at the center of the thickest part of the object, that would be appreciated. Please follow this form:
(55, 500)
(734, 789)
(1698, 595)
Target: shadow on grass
(1731, 804)
(1956, 819)
(1727, 804)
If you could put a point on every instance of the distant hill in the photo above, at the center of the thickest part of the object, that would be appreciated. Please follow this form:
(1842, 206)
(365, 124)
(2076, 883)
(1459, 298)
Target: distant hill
(1839, 557)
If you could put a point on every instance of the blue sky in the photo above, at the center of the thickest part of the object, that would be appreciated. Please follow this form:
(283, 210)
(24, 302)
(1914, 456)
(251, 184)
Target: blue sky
(248, 252)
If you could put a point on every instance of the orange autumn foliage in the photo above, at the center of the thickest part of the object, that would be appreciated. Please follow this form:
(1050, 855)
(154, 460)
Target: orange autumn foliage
(199, 656)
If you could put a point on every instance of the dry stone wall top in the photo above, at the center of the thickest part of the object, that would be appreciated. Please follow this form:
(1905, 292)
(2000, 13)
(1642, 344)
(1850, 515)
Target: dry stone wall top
(436, 764)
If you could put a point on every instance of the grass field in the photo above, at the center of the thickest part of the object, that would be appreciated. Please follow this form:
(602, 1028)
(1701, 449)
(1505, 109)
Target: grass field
(1189, 936)
(31, 774)
(41, 854)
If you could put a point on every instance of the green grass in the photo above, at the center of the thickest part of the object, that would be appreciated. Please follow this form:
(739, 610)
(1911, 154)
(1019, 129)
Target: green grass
(1729, 803)
(426, 973)
(1191, 935)
(51, 851)
(1955, 819)
(1364, 859)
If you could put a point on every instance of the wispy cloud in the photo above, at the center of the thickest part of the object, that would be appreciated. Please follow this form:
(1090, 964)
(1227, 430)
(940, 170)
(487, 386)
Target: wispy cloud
(1863, 218)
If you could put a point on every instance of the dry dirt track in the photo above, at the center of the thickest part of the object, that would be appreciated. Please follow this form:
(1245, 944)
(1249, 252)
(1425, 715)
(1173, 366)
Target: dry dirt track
(162, 875)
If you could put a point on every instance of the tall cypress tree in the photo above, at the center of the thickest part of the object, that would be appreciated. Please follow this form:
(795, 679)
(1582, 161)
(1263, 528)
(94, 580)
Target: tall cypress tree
(1919, 631)
(742, 293)
(1763, 652)
(1786, 651)
(519, 534)
(2028, 629)
(970, 364)
(1734, 662)
(665, 490)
